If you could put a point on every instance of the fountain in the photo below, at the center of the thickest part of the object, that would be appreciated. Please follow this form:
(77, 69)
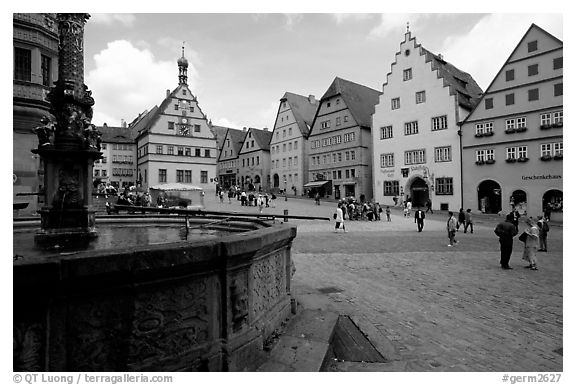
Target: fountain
(143, 293)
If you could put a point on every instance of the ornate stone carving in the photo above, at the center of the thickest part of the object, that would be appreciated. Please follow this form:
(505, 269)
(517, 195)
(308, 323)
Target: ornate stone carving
(239, 300)
(28, 347)
(268, 278)
(45, 132)
(68, 194)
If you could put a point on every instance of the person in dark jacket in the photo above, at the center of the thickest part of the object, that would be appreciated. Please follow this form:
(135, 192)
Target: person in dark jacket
(419, 219)
(506, 231)
(461, 219)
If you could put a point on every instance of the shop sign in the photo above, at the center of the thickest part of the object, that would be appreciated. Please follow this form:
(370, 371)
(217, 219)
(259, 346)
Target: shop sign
(541, 177)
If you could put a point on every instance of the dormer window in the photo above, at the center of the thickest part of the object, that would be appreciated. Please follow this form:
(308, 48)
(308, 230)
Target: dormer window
(176, 107)
(532, 46)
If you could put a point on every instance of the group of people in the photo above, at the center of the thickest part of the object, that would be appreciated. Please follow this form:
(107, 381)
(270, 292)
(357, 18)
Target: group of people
(360, 210)
(251, 198)
(534, 237)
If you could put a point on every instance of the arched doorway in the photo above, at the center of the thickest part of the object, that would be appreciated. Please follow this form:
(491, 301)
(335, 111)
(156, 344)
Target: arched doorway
(276, 181)
(553, 200)
(419, 192)
(489, 197)
(519, 201)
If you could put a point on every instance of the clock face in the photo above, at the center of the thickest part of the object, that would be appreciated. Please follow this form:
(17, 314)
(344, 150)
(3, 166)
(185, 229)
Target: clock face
(184, 120)
(184, 130)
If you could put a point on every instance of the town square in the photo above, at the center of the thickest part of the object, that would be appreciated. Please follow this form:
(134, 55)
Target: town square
(192, 193)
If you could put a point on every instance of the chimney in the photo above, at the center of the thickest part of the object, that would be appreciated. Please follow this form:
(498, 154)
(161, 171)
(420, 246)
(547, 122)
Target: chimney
(167, 93)
(440, 56)
(244, 129)
(122, 123)
(105, 125)
(312, 99)
(265, 128)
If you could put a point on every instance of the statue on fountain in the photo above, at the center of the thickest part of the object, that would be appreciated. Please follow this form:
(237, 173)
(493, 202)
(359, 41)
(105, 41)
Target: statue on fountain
(45, 131)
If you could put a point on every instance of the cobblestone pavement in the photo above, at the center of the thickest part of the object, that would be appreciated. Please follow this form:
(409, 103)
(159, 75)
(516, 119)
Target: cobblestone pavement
(440, 308)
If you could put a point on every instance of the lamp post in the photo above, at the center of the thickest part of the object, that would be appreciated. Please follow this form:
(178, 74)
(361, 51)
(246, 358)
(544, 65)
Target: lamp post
(285, 189)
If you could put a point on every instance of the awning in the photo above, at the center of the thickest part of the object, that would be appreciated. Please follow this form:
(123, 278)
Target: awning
(317, 183)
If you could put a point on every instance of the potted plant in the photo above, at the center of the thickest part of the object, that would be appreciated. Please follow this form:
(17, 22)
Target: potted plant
(545, 126)
(510, 130)
(558, 157)
(511, 160)
(521, 129)
(479, 162)
(546, 157)
(479, 135)
(489, 133)
(558, 124)
(522, 160)
(490, 161)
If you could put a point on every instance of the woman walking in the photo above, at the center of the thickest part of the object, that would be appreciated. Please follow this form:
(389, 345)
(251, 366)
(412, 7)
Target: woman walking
(339, 217)
(530, 237)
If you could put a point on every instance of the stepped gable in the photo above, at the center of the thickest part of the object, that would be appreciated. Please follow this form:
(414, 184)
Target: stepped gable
(461, 83)
(359, 99)
(303, 111)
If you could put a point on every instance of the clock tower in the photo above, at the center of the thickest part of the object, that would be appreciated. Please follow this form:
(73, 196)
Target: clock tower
(183, 69)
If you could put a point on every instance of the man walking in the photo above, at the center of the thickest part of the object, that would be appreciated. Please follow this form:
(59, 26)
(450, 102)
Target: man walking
(429, 206)
(543, 229)
(506, 232)
(388, 214)
(461, 219)
(339, 217)
(451, 228)
(419, 219)
(468, 222)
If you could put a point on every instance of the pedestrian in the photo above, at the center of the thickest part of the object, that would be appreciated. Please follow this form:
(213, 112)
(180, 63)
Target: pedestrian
(468, 222)
(388, 214)
(543, 229)
(243, 198)
(506, 232)
(221, 196)
(230, 195)
(530, 243)
(266, 199)
(273, 200)
(451, 228)
(516, 218)
(408, 208)
(339, 217)
(317, 199)
(429, 206)
(419, 219)
(260, 202)
(547, 211)
(461, 219)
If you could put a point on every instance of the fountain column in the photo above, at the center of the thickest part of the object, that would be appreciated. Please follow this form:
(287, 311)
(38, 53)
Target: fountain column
(68, 144)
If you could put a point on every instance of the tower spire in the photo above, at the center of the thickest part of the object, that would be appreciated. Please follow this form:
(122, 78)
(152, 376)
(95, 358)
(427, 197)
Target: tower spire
(183, 68)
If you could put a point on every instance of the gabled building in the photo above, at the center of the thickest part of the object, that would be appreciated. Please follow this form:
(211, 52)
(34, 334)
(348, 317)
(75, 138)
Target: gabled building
(254, 160)
(415, 129)
(174, 141)
(288, 146)
(512, 143)
(118, 163)
(340, 142)
(219, 133)
(228, 161)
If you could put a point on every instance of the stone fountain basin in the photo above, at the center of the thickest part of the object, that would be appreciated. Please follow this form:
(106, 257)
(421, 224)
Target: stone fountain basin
(206, 303)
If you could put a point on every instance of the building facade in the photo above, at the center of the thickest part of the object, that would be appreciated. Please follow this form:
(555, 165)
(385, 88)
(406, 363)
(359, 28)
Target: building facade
(254, 160)
(174, 141)
(340, 142)
(118, 163)
(288, 145)
(416, 146)
(512, 143)
(228, 161)
(35, 43)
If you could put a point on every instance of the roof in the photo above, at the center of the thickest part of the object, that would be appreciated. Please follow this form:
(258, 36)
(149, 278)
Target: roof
(303, 110)
(262, 138)
(237, 138)
(359, 99)
(117, 134)
(461, 83)
(219, 133)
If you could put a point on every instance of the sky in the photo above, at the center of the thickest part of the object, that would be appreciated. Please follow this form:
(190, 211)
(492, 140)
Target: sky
(241, 64)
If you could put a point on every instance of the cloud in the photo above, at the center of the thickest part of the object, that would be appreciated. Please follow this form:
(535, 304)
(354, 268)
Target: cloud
(395, 22)
(127, 19)
(224, 122)
(128, 80)
(267, 116)
(291, 19)
(483, 50)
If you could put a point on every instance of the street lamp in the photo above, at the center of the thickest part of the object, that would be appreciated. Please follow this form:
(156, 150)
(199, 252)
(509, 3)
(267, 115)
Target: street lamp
(285, 189)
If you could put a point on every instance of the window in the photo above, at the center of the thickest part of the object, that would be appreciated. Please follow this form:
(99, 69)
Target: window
(411, 128)
(257, 158)
(345, 118)
(533, 94)
(162, 175)
(532, 46)
(339, 174)
(180, 151)
(159, 149)
(334, 174)
(46, 67)
(334, 158)
(22, 64)
(170, 150)
(546, 149)
(104, 173)
(170, 125)
(558, 117)
(196, 128)
(353, 173)
(444, 186)
(203, 176)
(533, 69)
(347, 173)
(489, 127)
(484, 155)
(420, 97)
(352, 155)
(479, 128)
(407, 74)
(188, 176)
(415, 157)
(325, 124)
(338, 121)
(289, 131)
(349, 137)
(521, 122)
(509, 75)
(295, 145)
(284, 147)
(104, 159)
(511, 152)
(96, 172)
(347, 155)
(488, 103)
(339, 157)
(180, 176)
(509, 99)
(558, 89)
(522, 152)
(207, 153)
(558, 63)
(103, 146)
(439, 123)
(176, 107)
(443, 154)
(387, 160)
(386, 132)
(558, 148)
(391, 188)
(395, 103)
(188, 151)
